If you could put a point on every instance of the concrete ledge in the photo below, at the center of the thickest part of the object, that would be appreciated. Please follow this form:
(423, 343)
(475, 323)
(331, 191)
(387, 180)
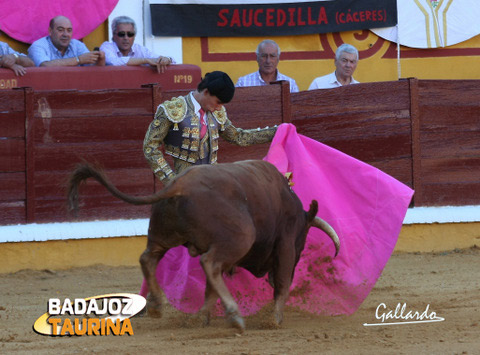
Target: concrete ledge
(138, 227)
(125, 251)
(65, 254)
(120, 243)
(437, 237)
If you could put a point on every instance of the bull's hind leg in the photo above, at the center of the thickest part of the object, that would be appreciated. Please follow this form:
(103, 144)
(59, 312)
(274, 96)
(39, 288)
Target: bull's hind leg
(149, 261)
(213, 272)
(211, 297)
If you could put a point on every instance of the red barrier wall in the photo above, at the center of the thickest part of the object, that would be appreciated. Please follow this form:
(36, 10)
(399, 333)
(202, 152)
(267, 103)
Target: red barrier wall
(176, 77)
(424, 133)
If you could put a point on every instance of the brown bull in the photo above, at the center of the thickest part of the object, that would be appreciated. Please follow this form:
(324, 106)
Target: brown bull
(239, 214)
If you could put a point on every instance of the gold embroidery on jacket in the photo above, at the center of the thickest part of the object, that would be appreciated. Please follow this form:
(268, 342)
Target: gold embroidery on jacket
(194, 146)
(194, 120)
(175, 110)
(213, 158)
(221, 117)
(192, 157)
(214, 145)
(186, 132)
(195, 132)
(203, 146)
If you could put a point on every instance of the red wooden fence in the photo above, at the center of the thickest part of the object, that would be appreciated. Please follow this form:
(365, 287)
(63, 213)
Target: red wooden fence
(177, 77)
(424, 133)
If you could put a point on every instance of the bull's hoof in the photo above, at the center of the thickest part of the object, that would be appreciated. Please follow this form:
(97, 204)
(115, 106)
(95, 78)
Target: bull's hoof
(154, 308)
(278, 319)
(206, 319)
(154, 312)
(204, 316)
(202, 319)
(269, 324)
(237, 322)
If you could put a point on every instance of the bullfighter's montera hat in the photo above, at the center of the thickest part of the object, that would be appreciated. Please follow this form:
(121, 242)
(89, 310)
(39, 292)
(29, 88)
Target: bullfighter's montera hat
(219, 84)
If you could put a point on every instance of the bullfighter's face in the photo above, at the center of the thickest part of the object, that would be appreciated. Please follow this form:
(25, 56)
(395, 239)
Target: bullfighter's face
(209, 102)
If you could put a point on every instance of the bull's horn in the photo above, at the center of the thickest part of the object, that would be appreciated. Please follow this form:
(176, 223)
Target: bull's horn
(327, 228)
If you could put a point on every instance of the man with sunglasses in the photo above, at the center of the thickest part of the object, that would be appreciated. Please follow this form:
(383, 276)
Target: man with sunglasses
(123, 51)
(60, 49)
(189, 127)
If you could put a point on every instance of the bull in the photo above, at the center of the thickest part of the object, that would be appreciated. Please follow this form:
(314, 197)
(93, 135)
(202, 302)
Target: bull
(237, 214)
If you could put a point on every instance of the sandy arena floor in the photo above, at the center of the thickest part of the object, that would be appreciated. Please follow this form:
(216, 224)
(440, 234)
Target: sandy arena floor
(447, 282)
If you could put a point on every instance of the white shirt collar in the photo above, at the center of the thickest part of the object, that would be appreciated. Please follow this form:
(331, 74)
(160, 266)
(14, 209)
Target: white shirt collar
(195, 103)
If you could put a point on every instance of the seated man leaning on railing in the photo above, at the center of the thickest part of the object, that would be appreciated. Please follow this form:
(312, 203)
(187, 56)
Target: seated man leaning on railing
(16, 61)
(123, 51)
(60, 49)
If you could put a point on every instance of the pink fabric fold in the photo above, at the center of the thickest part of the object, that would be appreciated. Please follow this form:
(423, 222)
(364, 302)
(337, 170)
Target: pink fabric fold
(364, 205)
(28, 20)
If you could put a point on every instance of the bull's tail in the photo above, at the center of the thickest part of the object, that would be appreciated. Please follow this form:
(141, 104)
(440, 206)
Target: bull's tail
(84, 171)
(323, 225)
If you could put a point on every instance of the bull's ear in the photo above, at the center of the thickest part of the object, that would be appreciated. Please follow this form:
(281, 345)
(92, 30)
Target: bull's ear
(313, 211)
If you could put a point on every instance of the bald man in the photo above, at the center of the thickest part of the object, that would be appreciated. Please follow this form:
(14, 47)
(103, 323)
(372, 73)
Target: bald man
(60, 49)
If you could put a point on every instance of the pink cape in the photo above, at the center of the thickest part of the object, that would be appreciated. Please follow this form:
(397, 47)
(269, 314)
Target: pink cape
(28, 20)
(364, 205)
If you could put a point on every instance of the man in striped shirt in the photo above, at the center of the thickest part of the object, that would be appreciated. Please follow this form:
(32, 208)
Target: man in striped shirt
(268, 56)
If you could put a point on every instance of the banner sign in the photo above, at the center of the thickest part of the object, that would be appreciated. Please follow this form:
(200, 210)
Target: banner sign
(231, 19)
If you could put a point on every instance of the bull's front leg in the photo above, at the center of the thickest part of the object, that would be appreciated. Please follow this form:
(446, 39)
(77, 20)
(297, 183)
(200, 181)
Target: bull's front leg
(149, 261)
(282, 278)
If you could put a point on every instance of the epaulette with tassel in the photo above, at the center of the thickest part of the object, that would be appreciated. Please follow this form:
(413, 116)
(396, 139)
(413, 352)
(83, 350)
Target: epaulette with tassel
(175, 110)
(221, 117)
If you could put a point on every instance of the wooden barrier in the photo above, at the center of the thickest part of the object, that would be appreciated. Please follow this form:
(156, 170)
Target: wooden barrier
(370, 122)
(13, 148)
(106, 127)
(449, 142)
(424, 133)
(176, 77)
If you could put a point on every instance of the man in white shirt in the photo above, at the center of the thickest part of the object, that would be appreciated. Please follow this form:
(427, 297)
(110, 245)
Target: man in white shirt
(268, 56)
(123, 51)
(346, 59)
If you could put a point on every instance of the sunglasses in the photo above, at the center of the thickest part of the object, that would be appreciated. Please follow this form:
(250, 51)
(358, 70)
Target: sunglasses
(123, 34)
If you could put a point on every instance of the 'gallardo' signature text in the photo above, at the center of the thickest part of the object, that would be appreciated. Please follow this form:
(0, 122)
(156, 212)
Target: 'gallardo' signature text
(402, 315)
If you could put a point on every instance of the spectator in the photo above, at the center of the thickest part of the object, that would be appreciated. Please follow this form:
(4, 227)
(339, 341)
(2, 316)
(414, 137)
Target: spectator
(268, 56)
(346, 59)
(14, 60)
(123, 51)
(60, 49)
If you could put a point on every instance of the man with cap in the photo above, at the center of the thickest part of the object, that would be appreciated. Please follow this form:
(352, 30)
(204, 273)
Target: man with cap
(189, 127)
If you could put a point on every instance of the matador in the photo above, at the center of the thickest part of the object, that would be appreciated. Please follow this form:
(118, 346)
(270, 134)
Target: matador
(189, 127)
